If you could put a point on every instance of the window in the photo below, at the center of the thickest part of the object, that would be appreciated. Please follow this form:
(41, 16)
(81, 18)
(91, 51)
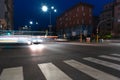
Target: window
(82, 21)
(90, 15)
(77, 21)
(83, 13)
(76, 15)
(66, 19)
(90, 10)
(90, 21)
(77, 9)
(82, 8)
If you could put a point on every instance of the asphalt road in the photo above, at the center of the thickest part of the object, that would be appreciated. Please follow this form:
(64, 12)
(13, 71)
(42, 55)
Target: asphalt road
(60, 61)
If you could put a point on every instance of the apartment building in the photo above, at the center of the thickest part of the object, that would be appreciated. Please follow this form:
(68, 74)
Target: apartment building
(6, 14)
(116, 28)
(75, 21)
(106, 19)
(110, 19)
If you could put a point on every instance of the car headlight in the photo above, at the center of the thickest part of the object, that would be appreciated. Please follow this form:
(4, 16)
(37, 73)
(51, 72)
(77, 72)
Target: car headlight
(29, 42)
(34, 41)
(40, 40)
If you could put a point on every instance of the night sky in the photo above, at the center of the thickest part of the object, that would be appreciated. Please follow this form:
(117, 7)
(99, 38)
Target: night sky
(30, 10)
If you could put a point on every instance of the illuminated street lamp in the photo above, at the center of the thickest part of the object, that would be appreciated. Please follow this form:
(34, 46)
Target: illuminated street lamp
(45, 9)
(31, 22)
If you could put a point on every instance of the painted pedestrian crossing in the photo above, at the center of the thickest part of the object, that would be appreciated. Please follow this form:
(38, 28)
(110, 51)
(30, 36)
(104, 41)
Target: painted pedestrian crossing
(110, 57)
(12, 74)
(116, 55)
(53, 72)
(104, 63)
(95, 73)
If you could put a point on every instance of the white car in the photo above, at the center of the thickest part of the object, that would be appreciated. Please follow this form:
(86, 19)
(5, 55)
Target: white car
(36, 40)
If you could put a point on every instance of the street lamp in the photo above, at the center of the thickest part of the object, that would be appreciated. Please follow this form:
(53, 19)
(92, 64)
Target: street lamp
(97, 29)
(52, 9)
(31, 22)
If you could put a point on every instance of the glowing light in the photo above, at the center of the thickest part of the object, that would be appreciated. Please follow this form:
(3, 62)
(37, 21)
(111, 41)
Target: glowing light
(52, 7)
(55, 10)
(37, 47)
(44, 8)
(31, 22)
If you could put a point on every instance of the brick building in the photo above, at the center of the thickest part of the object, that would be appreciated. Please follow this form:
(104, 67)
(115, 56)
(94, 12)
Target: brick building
(75, 21)
(106, 17)
(6, 14)
(110, 18)
(116, 28)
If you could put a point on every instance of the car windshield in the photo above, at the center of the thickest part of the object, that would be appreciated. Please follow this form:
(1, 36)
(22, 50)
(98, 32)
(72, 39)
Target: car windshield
(59, 39)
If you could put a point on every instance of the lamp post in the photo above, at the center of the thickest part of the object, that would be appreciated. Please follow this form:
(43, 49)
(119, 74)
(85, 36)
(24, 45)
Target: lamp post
(52, 9)
(31, 23)
(97, 29)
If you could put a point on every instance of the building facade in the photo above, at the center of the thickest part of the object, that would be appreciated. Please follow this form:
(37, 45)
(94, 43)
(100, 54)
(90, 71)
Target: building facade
(116, 28)
(6, 14)
(110, 19)
(75, 21)
(3, 9)
(106, 19)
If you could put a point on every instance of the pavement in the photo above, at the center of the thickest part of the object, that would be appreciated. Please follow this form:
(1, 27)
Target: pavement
(61, 61)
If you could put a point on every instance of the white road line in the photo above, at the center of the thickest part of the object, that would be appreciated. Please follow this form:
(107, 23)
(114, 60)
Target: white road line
(51, 72)
(116, 55)
(104, 63)
(110, 57)
(95, 73)
(12, 74)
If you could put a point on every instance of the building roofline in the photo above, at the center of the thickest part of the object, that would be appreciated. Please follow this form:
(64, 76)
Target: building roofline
(80, 3)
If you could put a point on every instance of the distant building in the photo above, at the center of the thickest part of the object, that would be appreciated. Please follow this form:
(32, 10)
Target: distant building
(106, 18)
(6, 14)
(110, 19)
(75, 21)
(116, 28)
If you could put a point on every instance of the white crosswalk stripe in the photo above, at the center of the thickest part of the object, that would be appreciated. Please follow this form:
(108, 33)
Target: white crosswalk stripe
(12, 74)
(116, 55)
(104, 63)
(110, 57)
(51, 72)
(95, 73)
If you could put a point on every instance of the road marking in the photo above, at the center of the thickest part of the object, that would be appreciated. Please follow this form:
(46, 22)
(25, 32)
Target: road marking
(95, 73)
(104, 63)
(51, 72)
(110, 57)
(12, 74)
(116, 55)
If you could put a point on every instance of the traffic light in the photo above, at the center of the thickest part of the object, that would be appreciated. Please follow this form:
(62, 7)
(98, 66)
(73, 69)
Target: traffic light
(8, 33)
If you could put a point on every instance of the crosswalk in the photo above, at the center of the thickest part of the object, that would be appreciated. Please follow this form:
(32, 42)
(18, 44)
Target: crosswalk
(53, 72)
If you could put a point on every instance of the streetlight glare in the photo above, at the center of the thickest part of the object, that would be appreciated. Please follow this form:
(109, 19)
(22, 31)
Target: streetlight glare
(31, 22)
(44, 8)
(36, 22)
(52, 7)
(55, 10)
